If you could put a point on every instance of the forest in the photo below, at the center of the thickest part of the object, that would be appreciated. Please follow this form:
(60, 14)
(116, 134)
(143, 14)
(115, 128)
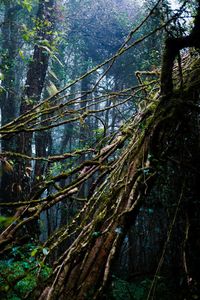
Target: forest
(99, 150)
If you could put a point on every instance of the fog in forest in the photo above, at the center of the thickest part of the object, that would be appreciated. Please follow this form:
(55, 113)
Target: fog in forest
(99, 149)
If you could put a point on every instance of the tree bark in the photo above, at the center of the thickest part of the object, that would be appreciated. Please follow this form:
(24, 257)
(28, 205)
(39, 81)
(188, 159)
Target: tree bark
(8, 99)
(33, 90)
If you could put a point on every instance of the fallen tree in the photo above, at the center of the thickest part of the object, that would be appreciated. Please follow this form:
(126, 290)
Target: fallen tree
(83, 270)
(164, 134)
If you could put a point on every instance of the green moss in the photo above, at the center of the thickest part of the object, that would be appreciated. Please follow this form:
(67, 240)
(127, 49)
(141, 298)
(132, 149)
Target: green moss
(19, 273)
(27, 284)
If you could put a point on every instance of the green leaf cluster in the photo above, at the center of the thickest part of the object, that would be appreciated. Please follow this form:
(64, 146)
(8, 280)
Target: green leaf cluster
(21, 272)
(26, 4)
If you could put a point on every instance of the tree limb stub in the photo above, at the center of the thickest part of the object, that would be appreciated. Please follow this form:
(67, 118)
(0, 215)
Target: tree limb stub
(172, 48)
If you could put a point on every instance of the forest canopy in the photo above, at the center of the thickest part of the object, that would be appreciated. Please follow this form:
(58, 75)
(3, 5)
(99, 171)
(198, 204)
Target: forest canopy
(99, 149)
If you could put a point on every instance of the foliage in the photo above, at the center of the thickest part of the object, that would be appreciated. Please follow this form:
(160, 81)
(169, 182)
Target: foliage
(21, 272)
(138, 289)
(27, 4)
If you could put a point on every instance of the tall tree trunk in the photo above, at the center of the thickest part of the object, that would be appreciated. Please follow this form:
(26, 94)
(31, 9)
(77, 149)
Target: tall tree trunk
(34, 86)
(8, 97)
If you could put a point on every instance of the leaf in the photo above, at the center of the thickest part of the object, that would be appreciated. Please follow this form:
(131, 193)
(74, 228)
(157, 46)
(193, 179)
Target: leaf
(6, 221)
(26, 37)
(45, 251)
(53, 74)
(24, 27)
(1, 76)
(3, 219)
(29, 101)
(52, 89)
(118, 230)
(2, 89)
(96, 234)
(7, 167)
(146, 171)
(57, 59)
(26, 265)
(26, 4)
(21, 54)
(34, 252)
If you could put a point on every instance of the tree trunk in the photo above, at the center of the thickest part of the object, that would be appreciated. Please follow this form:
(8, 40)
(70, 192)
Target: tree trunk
(33, 89)
(8, 99)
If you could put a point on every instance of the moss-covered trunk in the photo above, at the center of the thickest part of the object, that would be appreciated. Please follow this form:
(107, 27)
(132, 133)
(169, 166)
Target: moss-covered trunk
(167, 137)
